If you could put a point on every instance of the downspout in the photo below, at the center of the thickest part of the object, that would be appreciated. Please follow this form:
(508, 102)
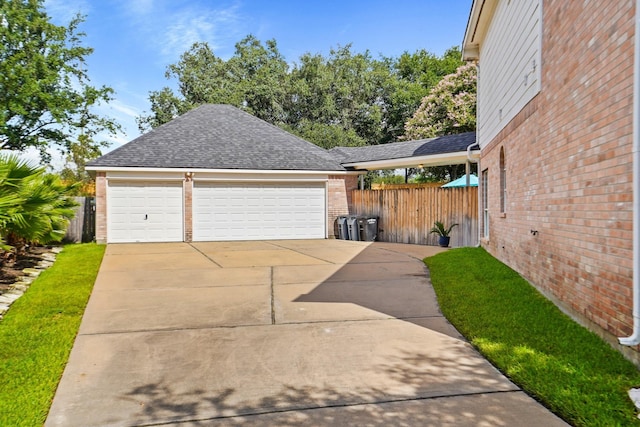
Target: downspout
(634, 339)
(475, 144)
(470, 159)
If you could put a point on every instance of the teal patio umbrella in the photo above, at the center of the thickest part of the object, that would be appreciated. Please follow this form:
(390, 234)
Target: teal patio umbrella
(462, 182)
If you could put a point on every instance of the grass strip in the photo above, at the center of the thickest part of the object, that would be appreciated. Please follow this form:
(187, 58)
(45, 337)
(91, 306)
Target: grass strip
(566, 367)
(37, 333)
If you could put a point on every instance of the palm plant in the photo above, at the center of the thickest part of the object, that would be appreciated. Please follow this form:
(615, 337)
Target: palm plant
(34, 207)
(13, 172)
(439, 229)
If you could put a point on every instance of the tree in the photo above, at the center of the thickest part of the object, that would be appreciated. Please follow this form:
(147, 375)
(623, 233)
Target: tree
(326, 135)
(44, 87)
(86, 145)
(416, 73)
(343, 91)
(254, 79)
(449, 108)
(345, 98)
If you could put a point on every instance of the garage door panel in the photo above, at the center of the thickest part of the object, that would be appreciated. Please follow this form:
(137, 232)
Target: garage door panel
(240, 211)
(144, 212)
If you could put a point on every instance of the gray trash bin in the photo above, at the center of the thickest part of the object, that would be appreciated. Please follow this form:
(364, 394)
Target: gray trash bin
(343, 228)
(368, 228)
(352, 225)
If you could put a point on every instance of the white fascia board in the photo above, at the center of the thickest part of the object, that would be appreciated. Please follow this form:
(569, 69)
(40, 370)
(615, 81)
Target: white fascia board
(477, 26)
(219, 171)
(459, 157)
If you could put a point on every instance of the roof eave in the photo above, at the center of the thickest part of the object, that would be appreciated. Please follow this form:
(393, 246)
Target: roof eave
(226, 171)
(477, 26)
(443, 159)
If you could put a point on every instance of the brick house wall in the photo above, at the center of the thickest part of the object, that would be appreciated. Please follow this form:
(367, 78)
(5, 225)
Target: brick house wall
(568, 168)
(339, 188)
(101, 207)
(187, 192)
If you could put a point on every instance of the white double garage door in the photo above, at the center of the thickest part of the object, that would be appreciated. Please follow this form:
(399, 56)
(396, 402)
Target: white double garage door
(155, 211)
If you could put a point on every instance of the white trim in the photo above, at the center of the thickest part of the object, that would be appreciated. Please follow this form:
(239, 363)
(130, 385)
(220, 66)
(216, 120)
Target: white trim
(144, 178)
(459, 157)
(477, 25)
(258, 180)
(231, 171)
(326, 208)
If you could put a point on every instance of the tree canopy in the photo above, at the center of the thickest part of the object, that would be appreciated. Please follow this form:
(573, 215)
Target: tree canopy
(44, 87)
(345, 98)
(449, 108)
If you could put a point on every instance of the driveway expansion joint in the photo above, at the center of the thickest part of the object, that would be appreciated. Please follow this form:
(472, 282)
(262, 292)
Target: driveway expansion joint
(335, 405)
(302, 253)
(273, 298)
(205, 255)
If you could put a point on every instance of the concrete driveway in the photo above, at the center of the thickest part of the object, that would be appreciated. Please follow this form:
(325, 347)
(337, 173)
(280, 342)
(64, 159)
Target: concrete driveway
(304, 333)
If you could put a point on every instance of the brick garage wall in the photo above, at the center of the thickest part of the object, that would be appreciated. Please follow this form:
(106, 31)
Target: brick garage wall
(187, 190)
(101, 207)
(569, 168)
(339, 190)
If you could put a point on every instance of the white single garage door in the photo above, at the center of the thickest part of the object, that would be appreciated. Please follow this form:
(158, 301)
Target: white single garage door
(144, 212)
(241, 211)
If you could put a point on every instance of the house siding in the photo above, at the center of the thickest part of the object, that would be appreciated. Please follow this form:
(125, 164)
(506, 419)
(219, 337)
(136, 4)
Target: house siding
(567, 226)
(510, 57)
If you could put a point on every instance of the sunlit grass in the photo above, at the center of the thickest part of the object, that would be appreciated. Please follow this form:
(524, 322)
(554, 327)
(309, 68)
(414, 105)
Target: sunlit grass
(37, 333)
(565, 366)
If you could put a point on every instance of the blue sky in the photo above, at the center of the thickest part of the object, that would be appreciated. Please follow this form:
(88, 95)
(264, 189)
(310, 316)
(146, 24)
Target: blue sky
(135, 40)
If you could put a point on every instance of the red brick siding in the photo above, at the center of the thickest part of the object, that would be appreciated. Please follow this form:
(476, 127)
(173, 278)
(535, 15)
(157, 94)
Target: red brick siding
(339, 198)
(188, 207)
(569, 167)
(101, 207)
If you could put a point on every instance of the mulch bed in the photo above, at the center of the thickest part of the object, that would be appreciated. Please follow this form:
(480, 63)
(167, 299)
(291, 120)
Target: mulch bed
(11, 269)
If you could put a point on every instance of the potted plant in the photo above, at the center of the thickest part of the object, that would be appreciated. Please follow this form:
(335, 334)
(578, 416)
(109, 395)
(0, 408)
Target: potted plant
(439, 229)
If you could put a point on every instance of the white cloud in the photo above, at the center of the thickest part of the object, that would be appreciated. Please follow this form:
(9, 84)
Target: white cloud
(140, 7)
(218, 27)
(171, 28)
(63, 11)
(126, 110)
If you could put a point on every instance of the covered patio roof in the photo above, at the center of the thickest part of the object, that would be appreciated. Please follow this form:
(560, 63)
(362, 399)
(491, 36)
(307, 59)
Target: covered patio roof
(440, 151)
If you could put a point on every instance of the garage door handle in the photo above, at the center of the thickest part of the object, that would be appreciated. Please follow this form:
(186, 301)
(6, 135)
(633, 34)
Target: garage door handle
(146, 217)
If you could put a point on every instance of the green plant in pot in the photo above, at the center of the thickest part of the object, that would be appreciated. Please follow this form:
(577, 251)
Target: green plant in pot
(442, 231)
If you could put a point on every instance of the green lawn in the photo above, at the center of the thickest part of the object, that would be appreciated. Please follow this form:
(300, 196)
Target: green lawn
(563, 365)
(37, 334)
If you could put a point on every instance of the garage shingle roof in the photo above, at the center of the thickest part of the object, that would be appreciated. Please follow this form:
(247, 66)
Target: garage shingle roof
(400, 150)
(219, 137)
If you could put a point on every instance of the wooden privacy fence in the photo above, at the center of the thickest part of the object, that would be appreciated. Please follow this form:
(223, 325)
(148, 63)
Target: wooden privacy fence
(406, 215)
(82, 228)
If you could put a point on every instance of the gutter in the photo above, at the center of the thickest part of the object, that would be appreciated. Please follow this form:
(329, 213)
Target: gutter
(634, 339)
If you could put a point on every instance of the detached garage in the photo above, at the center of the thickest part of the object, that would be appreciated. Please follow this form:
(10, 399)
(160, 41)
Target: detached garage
(217, 173)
